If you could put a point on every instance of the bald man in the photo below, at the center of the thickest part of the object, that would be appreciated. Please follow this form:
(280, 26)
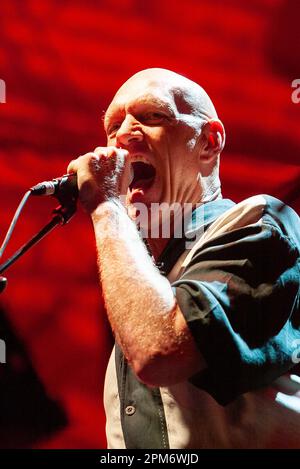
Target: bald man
(205, 322)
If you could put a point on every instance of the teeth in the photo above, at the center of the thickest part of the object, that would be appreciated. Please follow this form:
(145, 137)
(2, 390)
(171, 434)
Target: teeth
(140, 159)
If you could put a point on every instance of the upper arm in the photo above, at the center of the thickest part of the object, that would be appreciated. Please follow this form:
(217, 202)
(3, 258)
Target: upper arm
(240, 299)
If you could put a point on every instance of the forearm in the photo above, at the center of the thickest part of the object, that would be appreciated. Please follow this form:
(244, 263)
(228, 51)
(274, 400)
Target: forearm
(138, 299)
(140, 303)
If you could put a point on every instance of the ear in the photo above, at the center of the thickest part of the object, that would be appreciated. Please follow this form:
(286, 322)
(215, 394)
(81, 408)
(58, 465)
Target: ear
(213, 140)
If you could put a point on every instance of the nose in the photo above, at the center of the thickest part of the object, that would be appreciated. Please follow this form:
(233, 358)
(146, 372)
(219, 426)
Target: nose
(129, 131)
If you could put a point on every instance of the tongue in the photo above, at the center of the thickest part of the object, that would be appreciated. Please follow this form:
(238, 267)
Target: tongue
(142, 183)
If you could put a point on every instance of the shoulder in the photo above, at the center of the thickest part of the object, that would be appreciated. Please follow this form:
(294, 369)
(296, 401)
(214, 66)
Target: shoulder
(262, 211)
(258, 226)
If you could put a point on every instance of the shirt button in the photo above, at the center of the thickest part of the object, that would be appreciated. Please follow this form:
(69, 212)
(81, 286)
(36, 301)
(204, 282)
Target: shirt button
(129, 410)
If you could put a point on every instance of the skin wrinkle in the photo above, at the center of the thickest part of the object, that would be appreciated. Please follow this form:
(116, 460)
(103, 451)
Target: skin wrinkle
(112, 117)
(140, 303)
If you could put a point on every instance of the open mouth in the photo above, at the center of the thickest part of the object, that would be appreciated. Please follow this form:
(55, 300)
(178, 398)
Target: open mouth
(143, 175)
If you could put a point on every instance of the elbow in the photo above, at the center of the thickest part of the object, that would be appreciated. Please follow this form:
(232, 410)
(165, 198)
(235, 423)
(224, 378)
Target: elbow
(166, 370)
(169, 357)
(149, 371)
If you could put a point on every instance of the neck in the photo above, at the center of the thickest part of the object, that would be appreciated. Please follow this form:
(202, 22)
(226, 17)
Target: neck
(210, 185)
(211, 190)
(172, 223)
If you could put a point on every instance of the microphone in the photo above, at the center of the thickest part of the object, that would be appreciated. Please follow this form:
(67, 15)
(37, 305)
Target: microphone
(66, 184)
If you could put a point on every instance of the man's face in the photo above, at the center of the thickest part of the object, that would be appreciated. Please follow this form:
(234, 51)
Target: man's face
(152, 120)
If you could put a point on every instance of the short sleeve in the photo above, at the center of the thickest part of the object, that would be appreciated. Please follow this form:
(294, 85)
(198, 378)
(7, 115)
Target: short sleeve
(239, 295)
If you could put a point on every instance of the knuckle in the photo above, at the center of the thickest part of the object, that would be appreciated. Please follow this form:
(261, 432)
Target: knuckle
(88, 158)
(112, 151)
(117, 151)
(82, 158)
(90, 154)
(99, 150)
(71, 166)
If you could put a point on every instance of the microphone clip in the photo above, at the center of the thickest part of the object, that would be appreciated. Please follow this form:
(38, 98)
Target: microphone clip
(65, 190)
(68, 202)
(65, 211)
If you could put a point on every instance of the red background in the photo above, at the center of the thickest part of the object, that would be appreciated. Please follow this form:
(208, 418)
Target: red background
(62, 63)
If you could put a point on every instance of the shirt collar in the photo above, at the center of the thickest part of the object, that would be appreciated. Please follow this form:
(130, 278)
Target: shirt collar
(198, 221)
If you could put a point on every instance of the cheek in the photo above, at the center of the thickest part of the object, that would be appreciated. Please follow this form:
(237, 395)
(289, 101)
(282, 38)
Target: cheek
(156, 137)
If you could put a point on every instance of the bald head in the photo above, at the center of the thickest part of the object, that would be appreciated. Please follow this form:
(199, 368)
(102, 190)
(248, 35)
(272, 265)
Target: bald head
(188, 95)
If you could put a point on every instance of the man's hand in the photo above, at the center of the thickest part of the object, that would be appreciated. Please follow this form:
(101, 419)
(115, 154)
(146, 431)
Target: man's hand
(102, 175)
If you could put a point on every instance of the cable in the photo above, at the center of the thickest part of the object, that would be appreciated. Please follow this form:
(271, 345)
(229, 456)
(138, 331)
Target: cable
(56, 220)
(13, 223)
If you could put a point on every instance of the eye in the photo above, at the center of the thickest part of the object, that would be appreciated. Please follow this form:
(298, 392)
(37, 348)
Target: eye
(113, 128)
(154, 117)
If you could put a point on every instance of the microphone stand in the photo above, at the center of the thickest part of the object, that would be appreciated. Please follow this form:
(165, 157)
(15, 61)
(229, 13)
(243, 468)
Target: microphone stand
(61, 215)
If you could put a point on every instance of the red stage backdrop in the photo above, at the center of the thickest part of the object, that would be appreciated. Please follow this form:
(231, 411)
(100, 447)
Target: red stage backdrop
(62, 63)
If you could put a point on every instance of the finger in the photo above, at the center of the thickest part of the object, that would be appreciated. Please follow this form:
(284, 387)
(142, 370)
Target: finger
(119, 156)
(81, 161)
(93, 162)
(101, 151)
(72, 167)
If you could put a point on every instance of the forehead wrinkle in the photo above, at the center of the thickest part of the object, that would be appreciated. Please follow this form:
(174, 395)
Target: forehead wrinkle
(149, 99)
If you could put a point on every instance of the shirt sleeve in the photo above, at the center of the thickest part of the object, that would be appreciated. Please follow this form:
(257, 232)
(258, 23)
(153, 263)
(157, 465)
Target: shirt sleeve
(240, 297)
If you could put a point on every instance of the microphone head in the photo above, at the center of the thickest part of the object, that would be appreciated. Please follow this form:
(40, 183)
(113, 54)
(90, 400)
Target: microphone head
(62, 186)
(65, 190)
(43, 188)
